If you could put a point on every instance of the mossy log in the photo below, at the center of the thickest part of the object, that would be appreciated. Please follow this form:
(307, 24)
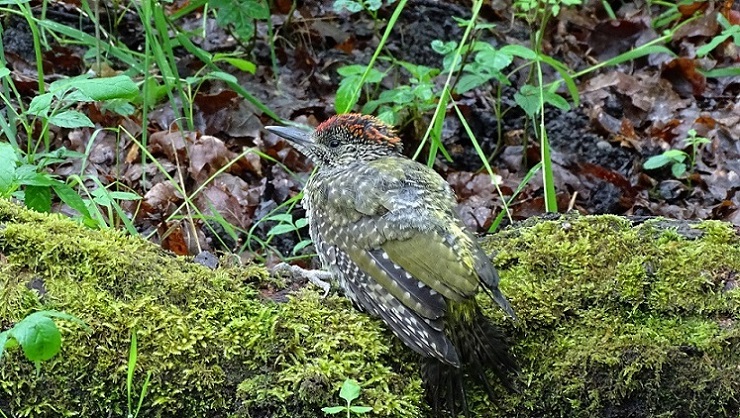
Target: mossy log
(615, 320)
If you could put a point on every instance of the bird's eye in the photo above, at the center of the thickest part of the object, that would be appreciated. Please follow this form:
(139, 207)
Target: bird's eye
(334, 143)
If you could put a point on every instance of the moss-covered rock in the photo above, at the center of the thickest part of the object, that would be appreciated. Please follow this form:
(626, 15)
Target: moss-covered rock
(213, 345)
(615, 320)
(623, 321)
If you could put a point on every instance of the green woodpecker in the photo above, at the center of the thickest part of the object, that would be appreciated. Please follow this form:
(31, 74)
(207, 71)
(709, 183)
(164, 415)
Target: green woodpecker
(386, 228)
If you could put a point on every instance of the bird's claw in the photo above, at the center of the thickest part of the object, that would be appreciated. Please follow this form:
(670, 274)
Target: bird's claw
(319, 278)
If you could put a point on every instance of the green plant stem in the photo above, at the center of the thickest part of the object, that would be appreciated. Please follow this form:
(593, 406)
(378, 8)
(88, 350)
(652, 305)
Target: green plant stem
(356, 92)
(458, 55)
(548, 182)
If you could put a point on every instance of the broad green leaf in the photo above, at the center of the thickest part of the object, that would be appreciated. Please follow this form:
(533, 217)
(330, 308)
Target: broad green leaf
(241, 64)
(343, 99)
(121, 107)
(71, 119)
(101, 88)
(3, 342)
(493, 59)
(220, 75)
(301, 245)
(8, 165)
(351, 5)
(40, 105)
(676, 155)
(442, 47)
(656, 161)
(350, 390)
(38, 198)
(281, 229)
(557, 101)
(300, 223)
(4, 72)
(69, 196)
(678, 169)
(349, 70)
(528, 98)
(333, 409)
(519, 51)
(469, 81)
(360, 409)
(39, 337)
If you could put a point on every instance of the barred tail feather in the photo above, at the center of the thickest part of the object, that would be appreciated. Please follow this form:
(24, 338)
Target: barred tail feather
(482, 347)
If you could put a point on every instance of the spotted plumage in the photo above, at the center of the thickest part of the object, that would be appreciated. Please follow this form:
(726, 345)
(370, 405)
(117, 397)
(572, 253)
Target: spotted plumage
(386, 228)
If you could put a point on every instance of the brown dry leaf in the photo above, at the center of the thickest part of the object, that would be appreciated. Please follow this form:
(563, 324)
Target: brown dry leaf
(173, 239)
(173, 144)
(163, 198)
(229, 197)
(208, 154)
(682, 74)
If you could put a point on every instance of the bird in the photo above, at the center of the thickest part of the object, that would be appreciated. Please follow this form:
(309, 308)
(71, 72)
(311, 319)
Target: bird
(386, 228)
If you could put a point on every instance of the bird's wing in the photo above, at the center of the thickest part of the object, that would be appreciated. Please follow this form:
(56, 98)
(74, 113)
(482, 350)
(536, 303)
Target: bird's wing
(405, 233)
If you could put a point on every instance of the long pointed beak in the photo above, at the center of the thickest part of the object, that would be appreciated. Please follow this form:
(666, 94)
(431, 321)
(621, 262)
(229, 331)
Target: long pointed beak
(293, 135)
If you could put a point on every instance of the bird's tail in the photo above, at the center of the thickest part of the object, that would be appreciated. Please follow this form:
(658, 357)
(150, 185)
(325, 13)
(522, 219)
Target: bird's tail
(482, 348)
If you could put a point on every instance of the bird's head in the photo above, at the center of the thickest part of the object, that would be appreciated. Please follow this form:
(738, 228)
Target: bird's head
(343, 140)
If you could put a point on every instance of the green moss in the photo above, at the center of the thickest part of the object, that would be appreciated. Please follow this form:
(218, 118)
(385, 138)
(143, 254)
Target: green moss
(622, 321)
(214, 346)
(616, 320)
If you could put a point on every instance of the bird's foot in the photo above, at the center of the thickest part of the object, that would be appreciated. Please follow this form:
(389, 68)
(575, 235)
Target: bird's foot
(319, 278)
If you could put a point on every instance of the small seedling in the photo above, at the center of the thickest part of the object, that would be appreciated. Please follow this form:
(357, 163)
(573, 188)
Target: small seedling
(38, 336)
(349, 392)
(677, 158)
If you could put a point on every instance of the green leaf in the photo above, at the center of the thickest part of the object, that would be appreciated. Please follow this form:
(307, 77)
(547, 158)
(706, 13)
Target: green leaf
(656, 161)
(442, 47)
(528, 98)
(241, 64)
(468, 82)
(107, 88)
(40, 105)
(8, 182)
(38, 198)
(240, 14)
(281, 229)
(301, 245)
(676, 155)
(39, 337)
(678, 169)
(361, 409)
(279, 217)
(557, 101)
(350, 390)
(331, 410)
(350, 70)
(4, 72)
(3, 342)
(71, 198)
(301, 222)
(220, 75)
(493, 59)
(351, 5)
(71, 119)
(519, 51)
(122, 107)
